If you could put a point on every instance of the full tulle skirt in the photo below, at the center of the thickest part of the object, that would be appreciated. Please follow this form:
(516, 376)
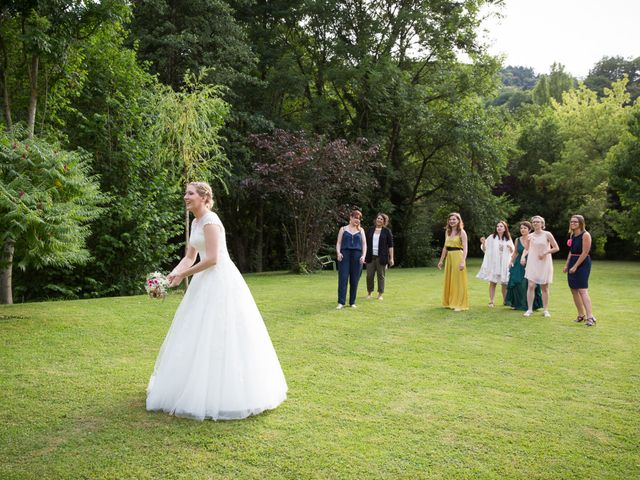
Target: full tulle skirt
(217, 360)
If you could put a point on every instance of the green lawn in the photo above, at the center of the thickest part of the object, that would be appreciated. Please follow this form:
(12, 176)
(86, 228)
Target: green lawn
(394, 389)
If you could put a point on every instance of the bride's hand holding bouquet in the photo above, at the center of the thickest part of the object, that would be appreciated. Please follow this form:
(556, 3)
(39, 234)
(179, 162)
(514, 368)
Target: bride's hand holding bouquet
(175, 279)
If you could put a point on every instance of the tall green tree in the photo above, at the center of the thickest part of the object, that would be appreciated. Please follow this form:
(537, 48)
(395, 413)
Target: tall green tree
(552, 86)
(589, 128)
(113, 115)
(47, 199)
(625, 181)
(176, 36)
(540, 93)
(36, 41)
(380, 71)
(188, 129)
(560, 81)
(518, 76)
(512, 98)
(612, 69)
(342, 69)
(37, 46)
(539, 143)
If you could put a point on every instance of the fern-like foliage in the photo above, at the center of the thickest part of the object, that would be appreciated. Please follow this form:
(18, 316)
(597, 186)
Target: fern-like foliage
(48, 197)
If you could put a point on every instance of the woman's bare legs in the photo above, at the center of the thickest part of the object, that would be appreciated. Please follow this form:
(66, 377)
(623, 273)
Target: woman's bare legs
(492, 293)
(577, 300)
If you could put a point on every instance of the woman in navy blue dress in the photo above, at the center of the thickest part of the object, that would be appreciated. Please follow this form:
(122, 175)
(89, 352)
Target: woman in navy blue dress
(351, 249)
(578, 268)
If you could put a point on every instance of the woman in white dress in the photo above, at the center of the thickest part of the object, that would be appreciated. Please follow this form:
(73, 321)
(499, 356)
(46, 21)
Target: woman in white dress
(497, 259)
(217, 360)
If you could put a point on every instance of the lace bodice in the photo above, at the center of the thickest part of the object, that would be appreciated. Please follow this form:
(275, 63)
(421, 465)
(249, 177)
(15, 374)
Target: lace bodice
(196, 240)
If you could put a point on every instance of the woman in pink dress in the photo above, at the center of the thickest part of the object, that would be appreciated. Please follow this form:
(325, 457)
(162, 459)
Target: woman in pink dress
(539, 264)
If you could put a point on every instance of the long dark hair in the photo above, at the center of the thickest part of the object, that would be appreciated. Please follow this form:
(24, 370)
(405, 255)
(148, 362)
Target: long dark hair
(507, 234)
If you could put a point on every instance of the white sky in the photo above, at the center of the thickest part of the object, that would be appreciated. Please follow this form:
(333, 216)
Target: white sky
(576, 33)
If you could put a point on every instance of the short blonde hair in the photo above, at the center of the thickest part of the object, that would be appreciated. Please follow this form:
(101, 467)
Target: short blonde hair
(204, 190)
(539, 218)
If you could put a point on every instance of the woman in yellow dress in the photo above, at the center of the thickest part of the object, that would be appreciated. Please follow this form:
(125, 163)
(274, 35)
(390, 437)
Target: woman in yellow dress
(454, 256)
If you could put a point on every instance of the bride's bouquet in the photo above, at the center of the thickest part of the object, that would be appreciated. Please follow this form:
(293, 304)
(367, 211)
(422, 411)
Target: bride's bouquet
(156, 285)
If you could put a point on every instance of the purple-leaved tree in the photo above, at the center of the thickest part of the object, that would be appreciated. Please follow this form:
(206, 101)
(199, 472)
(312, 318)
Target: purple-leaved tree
(315, 178)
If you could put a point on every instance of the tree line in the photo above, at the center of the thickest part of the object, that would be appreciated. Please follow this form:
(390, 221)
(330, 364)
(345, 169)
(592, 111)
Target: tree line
(294, 110)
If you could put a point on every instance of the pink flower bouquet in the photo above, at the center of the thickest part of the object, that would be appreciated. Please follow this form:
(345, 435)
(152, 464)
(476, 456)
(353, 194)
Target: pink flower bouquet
(156, 285)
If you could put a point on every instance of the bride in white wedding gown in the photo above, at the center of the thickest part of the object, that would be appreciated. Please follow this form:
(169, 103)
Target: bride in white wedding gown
(217, 360)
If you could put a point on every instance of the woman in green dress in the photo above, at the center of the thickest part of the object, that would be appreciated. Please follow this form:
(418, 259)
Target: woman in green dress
(517, 288)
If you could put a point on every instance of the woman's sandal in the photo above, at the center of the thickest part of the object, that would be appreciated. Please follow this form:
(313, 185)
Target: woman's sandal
(591, 322)
(491, 305)
(580, 318)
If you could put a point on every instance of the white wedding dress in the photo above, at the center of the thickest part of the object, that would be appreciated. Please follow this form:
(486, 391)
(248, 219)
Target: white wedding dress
(217, 360)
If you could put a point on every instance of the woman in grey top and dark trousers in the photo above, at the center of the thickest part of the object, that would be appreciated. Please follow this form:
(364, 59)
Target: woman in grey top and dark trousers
(379, 253)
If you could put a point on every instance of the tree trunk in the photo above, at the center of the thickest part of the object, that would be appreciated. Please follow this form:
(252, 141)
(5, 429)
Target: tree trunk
(259, 245)
(33, 98)
(7, 105)
(5, 87)
(6, 294)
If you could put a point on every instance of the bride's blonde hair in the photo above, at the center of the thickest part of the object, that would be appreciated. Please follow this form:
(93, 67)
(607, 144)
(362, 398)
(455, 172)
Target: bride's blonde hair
(204, 190)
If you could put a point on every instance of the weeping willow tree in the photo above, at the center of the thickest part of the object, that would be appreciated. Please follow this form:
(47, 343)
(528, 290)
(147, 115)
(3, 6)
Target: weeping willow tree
(188, 132)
